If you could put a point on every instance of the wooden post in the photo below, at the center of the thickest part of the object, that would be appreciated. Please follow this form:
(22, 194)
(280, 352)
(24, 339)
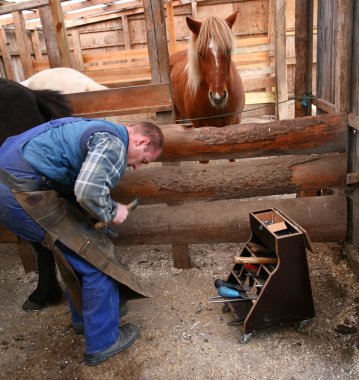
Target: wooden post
(36, 44)
(157, 40)
(304, 56)
(342, 102)
(158, 49)
(22, 43)
(344, 13)
(170, 25)
(281, 61)
(271, 39)
(309, 64)
(53, 53)
(60, 32)
(159, 61)
(76, 43)
(6, 55)
(342, 56)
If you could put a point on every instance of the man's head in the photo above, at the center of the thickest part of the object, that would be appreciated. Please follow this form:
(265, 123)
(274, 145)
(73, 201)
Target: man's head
(145, 144)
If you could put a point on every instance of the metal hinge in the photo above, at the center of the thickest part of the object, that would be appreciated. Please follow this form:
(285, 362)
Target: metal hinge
(352, 178)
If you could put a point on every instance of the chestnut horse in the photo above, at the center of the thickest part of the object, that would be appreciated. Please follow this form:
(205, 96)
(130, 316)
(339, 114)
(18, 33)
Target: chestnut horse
(207, 89)
(22, 109)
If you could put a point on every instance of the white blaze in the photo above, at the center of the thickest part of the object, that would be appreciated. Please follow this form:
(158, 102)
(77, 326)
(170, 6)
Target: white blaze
(214, 48)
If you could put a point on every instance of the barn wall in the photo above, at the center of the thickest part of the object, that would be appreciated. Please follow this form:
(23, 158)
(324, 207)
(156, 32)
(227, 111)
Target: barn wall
(253, 30)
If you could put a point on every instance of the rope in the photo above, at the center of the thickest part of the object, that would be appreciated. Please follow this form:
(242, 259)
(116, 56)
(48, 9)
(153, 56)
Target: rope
(305, 102)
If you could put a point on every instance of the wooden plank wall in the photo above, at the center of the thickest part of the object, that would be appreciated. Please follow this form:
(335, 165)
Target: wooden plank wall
(113, 50)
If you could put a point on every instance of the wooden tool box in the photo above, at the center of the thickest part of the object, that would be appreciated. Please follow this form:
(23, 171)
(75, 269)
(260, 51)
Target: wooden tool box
(279, 292)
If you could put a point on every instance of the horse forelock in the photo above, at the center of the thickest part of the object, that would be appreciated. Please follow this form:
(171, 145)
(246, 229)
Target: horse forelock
(215, 29)
(212, 29)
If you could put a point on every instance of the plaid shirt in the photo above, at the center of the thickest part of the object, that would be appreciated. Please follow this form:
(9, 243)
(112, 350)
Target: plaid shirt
(101, 172)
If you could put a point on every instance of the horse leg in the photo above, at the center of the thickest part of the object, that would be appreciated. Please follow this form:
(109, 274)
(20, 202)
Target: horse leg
(48, 290)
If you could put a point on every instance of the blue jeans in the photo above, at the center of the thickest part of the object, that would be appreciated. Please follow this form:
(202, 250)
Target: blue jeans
(100, 296)
(100, 300)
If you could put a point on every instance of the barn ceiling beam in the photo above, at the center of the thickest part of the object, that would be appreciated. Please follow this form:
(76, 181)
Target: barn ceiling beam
(106, 9)
(8, 9)
(82, 18)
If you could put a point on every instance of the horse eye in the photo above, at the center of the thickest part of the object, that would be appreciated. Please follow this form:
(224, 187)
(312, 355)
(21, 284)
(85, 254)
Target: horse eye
(200, 54)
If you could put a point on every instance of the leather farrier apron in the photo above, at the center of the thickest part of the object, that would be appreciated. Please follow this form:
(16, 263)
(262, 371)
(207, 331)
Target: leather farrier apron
(64, 222)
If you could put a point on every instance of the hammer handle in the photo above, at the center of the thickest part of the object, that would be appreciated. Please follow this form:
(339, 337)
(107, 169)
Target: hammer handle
(254, 260)
(131, 206)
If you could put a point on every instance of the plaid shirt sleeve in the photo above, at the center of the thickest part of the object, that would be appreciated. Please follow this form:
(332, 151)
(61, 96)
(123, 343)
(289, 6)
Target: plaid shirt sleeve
(100, 172)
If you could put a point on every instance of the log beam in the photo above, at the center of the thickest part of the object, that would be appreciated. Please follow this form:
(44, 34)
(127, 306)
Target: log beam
(233, 180)
(323, 217)
(312, 134)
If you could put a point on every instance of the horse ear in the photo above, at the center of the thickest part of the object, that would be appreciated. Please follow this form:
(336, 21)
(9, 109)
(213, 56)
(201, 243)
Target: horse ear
(231, 19)
(194, 25)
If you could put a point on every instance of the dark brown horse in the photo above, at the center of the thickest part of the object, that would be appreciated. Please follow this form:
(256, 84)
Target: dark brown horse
(207, 88)
(22, 109)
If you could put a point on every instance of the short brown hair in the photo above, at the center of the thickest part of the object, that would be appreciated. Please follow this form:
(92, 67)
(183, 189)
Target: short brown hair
(153, 132)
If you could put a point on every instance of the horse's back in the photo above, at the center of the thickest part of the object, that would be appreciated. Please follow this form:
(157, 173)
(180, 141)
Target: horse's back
(62, 79)
(18, 109)
(22, 108)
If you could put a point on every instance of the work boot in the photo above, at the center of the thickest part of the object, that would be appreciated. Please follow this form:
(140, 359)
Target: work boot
(128, 334)
(79, 327)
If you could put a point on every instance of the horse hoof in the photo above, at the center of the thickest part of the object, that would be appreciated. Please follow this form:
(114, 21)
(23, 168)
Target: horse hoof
(32, 307)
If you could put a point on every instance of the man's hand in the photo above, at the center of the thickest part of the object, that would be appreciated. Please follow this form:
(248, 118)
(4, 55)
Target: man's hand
(121, 214)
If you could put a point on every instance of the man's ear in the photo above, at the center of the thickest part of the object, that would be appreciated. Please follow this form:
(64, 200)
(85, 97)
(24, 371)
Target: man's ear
(143, 140)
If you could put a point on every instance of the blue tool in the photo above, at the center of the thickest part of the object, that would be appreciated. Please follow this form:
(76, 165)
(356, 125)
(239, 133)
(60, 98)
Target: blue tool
(223, 291)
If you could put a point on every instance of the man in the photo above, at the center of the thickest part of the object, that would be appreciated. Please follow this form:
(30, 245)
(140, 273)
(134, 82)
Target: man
(40, 171)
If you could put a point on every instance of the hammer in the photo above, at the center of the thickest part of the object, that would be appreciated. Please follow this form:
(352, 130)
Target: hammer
(131, 206)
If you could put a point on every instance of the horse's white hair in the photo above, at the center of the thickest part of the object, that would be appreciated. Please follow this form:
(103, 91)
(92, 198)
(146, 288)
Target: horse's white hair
(62, 79)
(215, 29)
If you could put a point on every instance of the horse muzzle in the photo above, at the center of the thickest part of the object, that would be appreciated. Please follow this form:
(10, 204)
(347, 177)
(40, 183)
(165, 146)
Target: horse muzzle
(217, 99)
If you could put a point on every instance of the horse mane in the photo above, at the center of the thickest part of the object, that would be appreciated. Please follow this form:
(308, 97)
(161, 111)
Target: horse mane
(213, 28)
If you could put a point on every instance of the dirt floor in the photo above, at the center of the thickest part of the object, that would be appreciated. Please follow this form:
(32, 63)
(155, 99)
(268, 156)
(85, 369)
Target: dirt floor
(183, 336)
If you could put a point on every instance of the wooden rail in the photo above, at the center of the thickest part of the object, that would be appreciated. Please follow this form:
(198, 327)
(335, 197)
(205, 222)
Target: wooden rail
(306, 153)
(227, 221)
(122, 101)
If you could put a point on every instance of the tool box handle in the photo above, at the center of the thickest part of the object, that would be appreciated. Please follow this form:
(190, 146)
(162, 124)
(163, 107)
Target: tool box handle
(307, 241)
